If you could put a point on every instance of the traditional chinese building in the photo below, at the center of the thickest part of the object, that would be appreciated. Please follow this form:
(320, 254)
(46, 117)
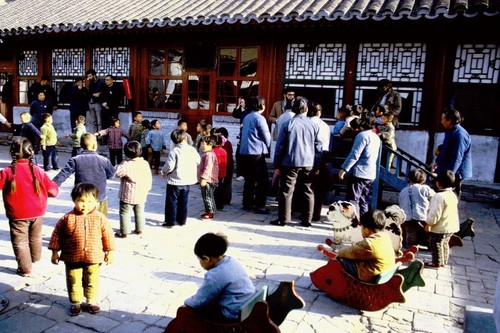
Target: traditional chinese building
(192, 59)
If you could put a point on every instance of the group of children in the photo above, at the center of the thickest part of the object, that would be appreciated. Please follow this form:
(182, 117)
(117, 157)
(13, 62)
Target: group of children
(209, 162)
(83, 237)
(346, 128)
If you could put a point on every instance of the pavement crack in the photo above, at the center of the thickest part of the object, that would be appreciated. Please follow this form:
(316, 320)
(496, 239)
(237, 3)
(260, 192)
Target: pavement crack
(492, 258)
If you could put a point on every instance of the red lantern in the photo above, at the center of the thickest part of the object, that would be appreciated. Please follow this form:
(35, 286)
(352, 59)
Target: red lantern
(127, 87)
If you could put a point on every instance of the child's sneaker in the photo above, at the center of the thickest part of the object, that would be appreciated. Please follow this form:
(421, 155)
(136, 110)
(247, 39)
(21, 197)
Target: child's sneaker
(75, 310)
(207, 216)
(94, 308)
(23, 273)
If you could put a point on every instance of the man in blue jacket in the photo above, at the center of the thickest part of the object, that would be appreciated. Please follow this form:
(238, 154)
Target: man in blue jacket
(255, 140)
(361, 164)
(455, 154)
(296, 158)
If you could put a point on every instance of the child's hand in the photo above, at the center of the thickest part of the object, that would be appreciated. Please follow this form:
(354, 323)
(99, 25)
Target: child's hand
(44, 147)
(203, 183)
(109, 257)
(427, 228)
(55, 258)
(164, 152)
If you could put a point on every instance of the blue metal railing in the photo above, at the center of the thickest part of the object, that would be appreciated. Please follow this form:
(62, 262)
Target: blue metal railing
(396, 177)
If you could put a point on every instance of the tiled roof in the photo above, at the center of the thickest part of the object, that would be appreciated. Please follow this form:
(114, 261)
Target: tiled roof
(45, 16)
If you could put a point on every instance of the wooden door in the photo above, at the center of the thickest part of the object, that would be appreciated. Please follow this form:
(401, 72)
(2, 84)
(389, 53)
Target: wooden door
(198, 99)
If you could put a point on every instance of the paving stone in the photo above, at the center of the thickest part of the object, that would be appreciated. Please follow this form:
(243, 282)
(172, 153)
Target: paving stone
(129, 328)
(426, 323)
(64, 327)
(27, 321)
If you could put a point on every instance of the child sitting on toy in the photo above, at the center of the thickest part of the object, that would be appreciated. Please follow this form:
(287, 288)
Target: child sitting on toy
(226, 286)
(372, 256)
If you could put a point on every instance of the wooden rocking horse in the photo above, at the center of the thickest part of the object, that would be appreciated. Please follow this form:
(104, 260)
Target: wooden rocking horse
(260, 314)
(466, 229)
(389, 288)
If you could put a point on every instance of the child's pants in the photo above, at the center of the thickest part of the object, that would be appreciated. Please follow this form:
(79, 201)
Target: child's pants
(26, 238)
(82, 279)
(439, 247)
(176, 203)
(50, 152)
(207, 193)
(155, 159)
(413, 233)
(115, 156)
(126, 216)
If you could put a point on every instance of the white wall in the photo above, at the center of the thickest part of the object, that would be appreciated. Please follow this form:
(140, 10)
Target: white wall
(484, 156)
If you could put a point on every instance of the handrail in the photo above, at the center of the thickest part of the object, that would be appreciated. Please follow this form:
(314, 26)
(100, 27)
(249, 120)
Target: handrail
(404, 163)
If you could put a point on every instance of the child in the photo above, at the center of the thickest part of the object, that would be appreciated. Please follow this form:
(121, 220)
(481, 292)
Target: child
(136, 181)
(85, 240)
(135, 130)
(89, 167)
(442, 219)
(25, 191)
(226, 286)
(156, 143)
(199, 136)
(387, 134)
(434, 165)
(76, 136)
(336, 141)
(379, 111)
(227, 183)
(31, 132)
(414, 200)
(222, 161)
(366, 259)
(208, 176)
(182, 125)
(146, 126)
(49, 141)
(115, 142)
(180, 172)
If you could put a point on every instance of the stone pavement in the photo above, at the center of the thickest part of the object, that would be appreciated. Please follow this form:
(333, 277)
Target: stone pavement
(153, 273)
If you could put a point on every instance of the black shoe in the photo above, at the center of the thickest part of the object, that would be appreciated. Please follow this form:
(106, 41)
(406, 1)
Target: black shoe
(305, 224)
(261, 210)
(247, 208)
(277, 222)
(168, 225)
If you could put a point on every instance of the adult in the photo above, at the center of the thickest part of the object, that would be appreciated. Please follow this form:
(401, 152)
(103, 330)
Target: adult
(361, 164)
(45, 87)
(96, 87)
(280, 107)
(4, 121)
(390, 98)
(240, 112)
(255, 140)
(455, 153)
(298, 152)
(78, 101)
(323, 180)
(38, 107)
(7, 98)
(112, 96)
